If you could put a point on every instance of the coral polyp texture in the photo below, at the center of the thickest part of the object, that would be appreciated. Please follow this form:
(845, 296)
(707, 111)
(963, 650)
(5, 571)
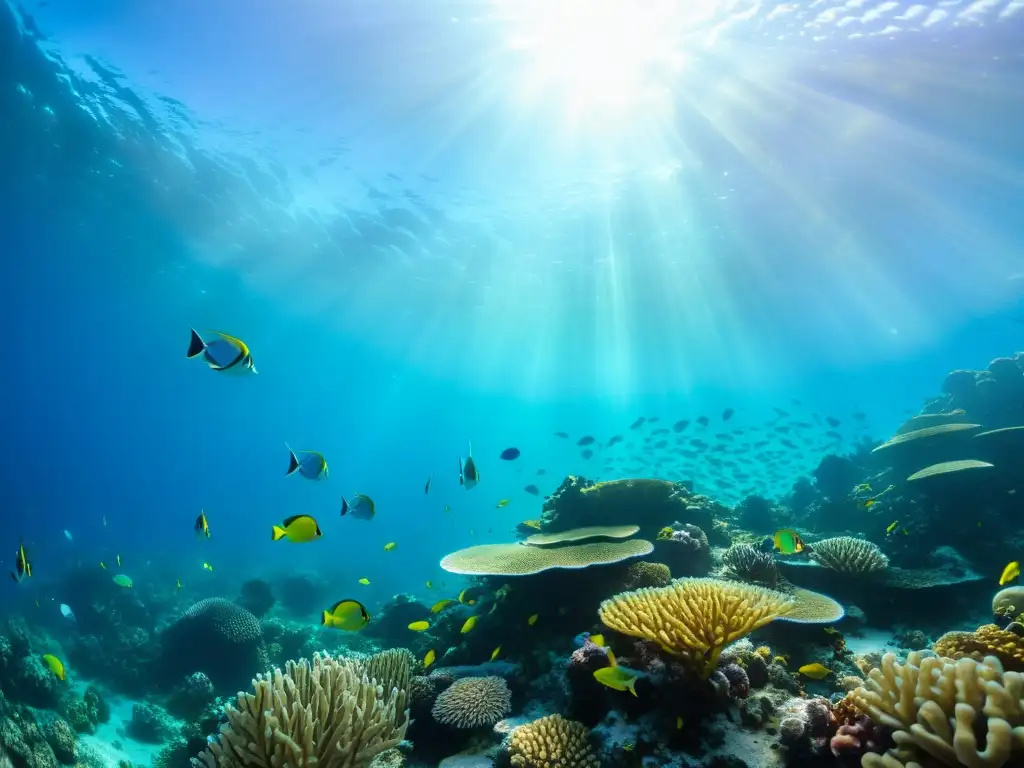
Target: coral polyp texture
(473, 702)
(848, 554)
(551, 742)
(522, 560)
(334, 713)
(813, 608)
(987, 640)
(581, 534)
(955, 713)
(695, 617)
(745, 562)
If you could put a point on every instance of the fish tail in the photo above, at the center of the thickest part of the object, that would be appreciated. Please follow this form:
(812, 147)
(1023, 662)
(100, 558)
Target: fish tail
(196, 345)
(278, 533)
(325, 619)
(344, 506)
(293, 461)
(632, 686)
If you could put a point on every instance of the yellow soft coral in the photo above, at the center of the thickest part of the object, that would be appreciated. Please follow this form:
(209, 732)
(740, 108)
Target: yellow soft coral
(987, 640)
(957, 712)
(695, 617)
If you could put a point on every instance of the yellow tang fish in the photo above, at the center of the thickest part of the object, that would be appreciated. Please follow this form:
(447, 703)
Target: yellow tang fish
(1010, 573)
(390, 546)
(815, 671)
(349, 615)
(533, 619)
(55, 665)
(429, 658)
(419, 626)
(616, 677)
(298, 528)
(502, 503)
(440, 605)
(495, 652)
(364, 581)
(470, 623)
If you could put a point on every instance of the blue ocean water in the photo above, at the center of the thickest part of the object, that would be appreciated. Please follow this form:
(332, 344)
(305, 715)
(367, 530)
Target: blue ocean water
(428, 239)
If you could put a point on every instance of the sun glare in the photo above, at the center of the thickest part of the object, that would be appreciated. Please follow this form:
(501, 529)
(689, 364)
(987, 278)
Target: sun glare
(600, 53)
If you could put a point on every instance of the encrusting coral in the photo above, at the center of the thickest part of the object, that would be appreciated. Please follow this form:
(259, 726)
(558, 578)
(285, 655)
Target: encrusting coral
(695, 616)
(551, 742)
(987, 640)
(847, 554)
(957, 712)
(473, 702)
(334, 713)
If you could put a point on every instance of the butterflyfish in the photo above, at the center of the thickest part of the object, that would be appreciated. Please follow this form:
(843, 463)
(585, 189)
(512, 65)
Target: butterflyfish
(309, 464)
(298, 528)
(202, 527)
(468, 474)
(815, 671)
(55, 665)
(1010, 573)
(22, 567)
(419, 626)
(349, 615)
(361, 508)
(788, 541)
(225, 353)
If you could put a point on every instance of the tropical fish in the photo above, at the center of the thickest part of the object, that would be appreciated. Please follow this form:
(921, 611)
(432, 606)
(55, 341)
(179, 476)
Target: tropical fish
(1010, 573)
(55, 665)
(22, 567)
(679, 722)
(428, 584)
(533, 619)
(361, 508)
(468, 474)
(501, 504)
(727, 414)
(788, 541)
(563, 435)
(202, 526)
(429, 658)
(470, 595)
(364, 581)
(225, 353)
(891, 527)
(426, 486)
(440, 605)
(495, 652)
(815, 671)
(103, 565)
(349, 615)
(597, 640)
(390, 546)
(118, 559)
(616, 677)
(419, 626)
(123, 581)
(310, 464)
(179, 583)
(298, 528)
(468, 626)
(586, 440)
(532, 489)
(66, 612)
(510, 454)
(207, 567)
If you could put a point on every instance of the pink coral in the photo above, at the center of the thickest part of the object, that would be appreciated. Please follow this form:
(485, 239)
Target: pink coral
(852, 740)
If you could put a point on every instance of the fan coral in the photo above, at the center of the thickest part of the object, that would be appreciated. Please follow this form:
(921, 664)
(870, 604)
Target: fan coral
(331, 712)
(473, 702)
(745, 562)
(847, 554)
(944, 709)
(695, 616)
(987, 640)
(551, 742)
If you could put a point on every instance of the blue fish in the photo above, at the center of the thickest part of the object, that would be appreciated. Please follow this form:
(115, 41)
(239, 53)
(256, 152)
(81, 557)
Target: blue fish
(310, 464)
(225, 353)
(361, 508)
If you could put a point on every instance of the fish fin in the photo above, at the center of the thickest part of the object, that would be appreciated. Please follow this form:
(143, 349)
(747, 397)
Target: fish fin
(237, 343)
(289, 520)
(196, 345)
(325, 618)
(631, 685)
(344, 506)
(293, 461)
(611, 658)
(278, 533)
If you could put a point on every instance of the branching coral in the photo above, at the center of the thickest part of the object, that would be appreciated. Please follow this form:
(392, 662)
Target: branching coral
(695, 617)
(334, 713)
(847, 554)
(959, 713)
(745, 562)
(473, 702)
(988, 640)
(551, 742)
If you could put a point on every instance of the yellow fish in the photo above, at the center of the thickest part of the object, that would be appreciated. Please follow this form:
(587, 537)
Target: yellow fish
(429, 658)
(597, 640)
(440, 605)
(225, 353)
(470, 595)
(892, 527)
(679, 723)
(534, 524)
(616, 677)
(430, 584)
(419, 626)
(870, 503)
(502, 503)
(788, 541)
(207, 567)
(202, 526)
(349, 615)
(364, 581)
(470, 623)
(1010, 573)
(390, 546)
(495, 652)
(815, 671)
(55, 665)
(179, 583)
(533, 619)
(298, 528)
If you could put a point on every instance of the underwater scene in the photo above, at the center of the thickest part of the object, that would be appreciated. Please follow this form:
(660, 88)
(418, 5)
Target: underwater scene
(512, 384)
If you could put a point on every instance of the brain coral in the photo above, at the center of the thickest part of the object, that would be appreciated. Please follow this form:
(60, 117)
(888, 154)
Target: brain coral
(988, 640)
(551, 742)
(946, 712)
(473, 702)
(847, 554)
(218, 637)
(695, 617)
(1008, 602)
(645, 574)
(336, 713)
(521, 560)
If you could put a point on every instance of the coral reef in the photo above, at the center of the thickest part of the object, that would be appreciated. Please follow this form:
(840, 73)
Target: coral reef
(551, 742)
(257, 597)
(849, 555)
(473, 702)
(987, 640)
(744, 562)
(515, 559)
